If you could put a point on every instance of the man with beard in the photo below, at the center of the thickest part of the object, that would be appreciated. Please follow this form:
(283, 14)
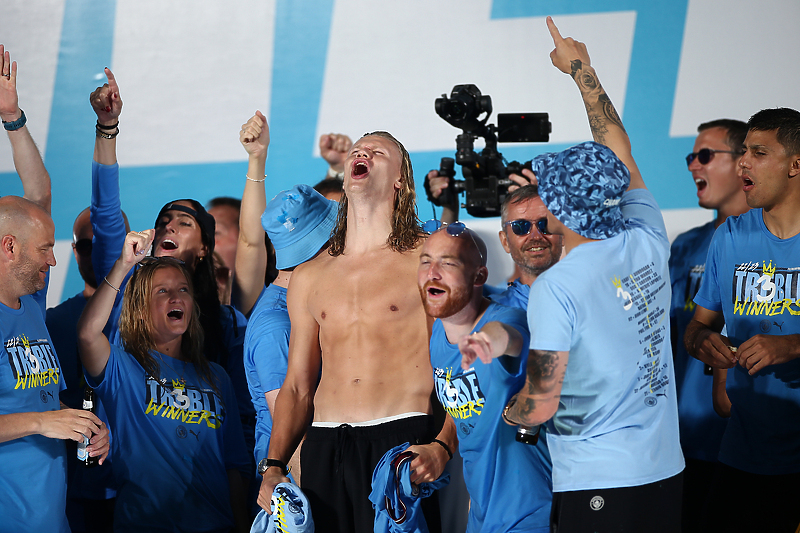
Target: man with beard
(478, 352)
(32, 423)
(356, 315)
(532, 251)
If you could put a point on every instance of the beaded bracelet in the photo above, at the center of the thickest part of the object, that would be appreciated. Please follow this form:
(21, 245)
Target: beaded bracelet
(257, 181)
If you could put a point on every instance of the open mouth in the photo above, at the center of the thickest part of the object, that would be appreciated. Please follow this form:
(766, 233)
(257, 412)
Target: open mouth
(360, 168)
(435, 291)
(747, 181)
(175, 314)
(167, 244)
(701, 184)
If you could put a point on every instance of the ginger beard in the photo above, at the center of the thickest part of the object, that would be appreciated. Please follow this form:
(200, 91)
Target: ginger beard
(442, 301)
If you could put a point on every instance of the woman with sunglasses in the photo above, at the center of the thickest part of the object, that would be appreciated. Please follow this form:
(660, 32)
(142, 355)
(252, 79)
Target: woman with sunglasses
(178, 447)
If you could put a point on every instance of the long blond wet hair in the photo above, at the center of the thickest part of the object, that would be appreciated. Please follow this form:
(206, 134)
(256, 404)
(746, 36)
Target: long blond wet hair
(136, 324)
(406, 232)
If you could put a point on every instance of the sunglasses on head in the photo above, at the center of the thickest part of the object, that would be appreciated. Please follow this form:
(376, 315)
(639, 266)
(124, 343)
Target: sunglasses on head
(705, 155)
(454, 230)
(83, 246)
(523, 227)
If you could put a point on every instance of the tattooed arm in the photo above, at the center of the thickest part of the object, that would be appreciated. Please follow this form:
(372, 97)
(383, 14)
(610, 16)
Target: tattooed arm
(537, 402)
(571, 57)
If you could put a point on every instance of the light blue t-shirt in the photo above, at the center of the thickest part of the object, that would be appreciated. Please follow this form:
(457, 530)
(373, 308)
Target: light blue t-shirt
(496, 466)
(607, 304)
(753, 277)
(173, 444)
(701, 428)
(33, 475)
(266, 357)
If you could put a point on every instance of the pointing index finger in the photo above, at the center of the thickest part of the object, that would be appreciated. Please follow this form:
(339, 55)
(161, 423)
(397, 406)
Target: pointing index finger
(554, 33)
(112, 82)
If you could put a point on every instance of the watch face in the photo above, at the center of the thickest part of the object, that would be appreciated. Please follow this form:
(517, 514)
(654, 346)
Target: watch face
(262, 466)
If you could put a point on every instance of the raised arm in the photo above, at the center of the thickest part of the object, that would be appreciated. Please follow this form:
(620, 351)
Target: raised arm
(106, 211)
(27, 159)
(251, 254)
(295, 403)
(92, 343)
(571, 57)
(333, 147)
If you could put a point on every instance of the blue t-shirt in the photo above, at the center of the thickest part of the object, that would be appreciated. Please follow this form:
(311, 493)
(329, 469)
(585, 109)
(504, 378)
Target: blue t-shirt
(496, 466)
(753, 277)
(109, 235)
(607, 304)
(173, 444)
(515, 295)
(33, 476)
(266, 357)
(62, 323)
(701, 428)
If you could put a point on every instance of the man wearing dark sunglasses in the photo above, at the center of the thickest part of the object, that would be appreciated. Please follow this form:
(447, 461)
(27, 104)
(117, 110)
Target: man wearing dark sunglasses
(713, 165)
(533, 252)
(468, 326)
(600, 371)
(750, 286)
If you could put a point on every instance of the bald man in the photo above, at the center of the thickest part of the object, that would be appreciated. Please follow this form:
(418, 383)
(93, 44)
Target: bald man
(32, 423)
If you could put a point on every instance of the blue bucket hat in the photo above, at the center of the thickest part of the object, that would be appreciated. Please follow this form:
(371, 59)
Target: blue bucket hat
(299, 222)
(582, 186)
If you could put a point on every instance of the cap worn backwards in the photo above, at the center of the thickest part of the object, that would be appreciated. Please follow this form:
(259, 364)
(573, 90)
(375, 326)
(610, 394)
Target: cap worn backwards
(582, 187)
(206, 222)
(299, 223)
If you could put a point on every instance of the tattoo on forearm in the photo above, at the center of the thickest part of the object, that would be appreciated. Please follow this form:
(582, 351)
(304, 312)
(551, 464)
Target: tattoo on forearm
(542, 364)
(576, 66)
(610, 112)
(598, 127)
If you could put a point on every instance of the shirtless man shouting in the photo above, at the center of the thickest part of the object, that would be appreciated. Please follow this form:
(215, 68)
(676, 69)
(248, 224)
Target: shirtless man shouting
(357, 315)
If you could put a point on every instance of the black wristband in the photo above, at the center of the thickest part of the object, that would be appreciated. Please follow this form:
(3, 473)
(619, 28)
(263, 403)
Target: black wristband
(266, 463)
(105, 134)
(14, 125)
(109, 127)
(445, 446)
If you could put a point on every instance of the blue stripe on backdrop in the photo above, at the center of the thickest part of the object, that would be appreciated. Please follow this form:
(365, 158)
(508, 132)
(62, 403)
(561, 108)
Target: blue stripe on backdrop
(87, 37)
(651, 87)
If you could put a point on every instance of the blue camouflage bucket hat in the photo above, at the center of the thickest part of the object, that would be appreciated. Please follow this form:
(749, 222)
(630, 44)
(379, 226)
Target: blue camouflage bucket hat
(583, 186)
(299, 222)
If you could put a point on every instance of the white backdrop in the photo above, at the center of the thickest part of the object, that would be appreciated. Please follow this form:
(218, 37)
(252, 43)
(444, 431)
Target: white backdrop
(191, 72)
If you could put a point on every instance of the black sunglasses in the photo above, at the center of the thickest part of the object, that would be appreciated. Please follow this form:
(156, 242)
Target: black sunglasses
(523, 227)
(83, 246)
(705, 155)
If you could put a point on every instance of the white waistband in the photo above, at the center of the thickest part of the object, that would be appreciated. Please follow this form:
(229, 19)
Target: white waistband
(375, 422)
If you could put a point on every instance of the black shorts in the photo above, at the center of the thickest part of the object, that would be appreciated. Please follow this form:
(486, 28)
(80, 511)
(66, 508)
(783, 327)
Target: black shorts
(654, 508)
(337, 465)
